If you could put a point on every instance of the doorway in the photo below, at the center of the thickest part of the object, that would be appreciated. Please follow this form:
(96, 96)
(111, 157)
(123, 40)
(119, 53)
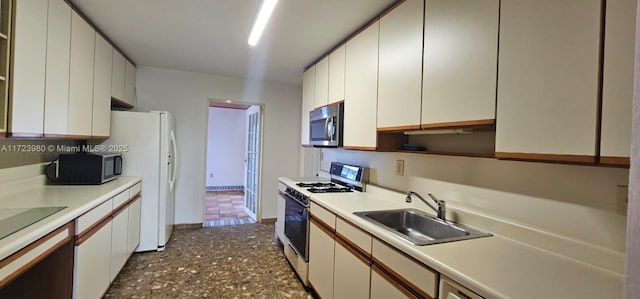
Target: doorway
(233, 169)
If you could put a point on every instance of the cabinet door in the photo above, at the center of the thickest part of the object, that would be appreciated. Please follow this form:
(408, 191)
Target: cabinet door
(81, 76)
(133, 237)
(336, 75)
(129, 83)
(28, 72)
(56, 103)
(460, 63)
(400, 71)
(308, 96)
(384, 287)
(322, 83)
(361, 85)
(117, 75)
(119, 244)
(92, 269)
(102, 88)
(321, 256)
(548, 80)
(617, 89)
(351, 274)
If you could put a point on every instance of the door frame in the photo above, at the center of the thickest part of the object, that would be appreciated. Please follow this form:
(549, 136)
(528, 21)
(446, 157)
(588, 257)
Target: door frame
(215, 101)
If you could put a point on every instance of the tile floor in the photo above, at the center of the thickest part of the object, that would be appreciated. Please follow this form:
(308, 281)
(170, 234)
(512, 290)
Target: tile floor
(225, 208)
(236, 261)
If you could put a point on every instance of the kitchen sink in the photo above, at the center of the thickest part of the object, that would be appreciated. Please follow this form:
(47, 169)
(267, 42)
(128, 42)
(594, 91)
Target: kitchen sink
(419, 227)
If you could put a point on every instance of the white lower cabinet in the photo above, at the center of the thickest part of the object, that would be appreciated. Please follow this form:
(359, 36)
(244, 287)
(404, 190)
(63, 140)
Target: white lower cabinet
(92, 267)
(119, 242)
(321, 257)
(351, 274)
(133, 237)
(383, 286)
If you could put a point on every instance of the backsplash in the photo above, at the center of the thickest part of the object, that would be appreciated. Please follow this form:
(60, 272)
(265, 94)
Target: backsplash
(16, 152)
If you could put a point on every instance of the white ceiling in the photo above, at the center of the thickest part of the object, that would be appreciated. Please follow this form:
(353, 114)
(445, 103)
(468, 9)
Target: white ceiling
(210, 36)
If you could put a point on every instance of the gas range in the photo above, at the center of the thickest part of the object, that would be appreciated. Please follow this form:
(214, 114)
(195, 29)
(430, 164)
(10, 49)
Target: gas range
(324, 187)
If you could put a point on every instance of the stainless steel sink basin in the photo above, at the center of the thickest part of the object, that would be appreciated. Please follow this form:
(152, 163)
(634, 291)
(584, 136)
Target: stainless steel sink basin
(419, 227)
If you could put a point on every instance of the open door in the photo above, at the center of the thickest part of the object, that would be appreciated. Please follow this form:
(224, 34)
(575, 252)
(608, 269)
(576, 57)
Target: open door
(252, 161)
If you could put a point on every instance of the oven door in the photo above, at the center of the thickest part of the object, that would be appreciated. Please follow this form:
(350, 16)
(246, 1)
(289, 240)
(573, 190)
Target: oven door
(296, 225)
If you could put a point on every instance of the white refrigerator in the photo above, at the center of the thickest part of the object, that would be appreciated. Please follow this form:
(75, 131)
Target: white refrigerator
(149, 143)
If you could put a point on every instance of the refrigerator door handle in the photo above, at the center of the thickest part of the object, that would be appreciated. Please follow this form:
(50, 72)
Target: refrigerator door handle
(172, 181)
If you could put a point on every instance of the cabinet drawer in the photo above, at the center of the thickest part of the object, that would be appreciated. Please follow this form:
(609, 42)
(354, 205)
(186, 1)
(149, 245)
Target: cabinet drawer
(134, 190)
(354, 235)
(324, 215)
(94, 216)
(120, 199)
(409, 272)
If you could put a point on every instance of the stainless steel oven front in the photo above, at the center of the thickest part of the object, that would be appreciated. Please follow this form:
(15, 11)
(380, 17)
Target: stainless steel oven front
(296, 225)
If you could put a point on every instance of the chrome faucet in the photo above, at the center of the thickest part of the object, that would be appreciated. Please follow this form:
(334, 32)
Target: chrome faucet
(442, 206)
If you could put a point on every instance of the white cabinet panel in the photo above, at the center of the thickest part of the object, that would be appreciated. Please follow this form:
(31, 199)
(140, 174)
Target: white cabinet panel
(460, 61)
(321, 257)
(81, 76)
(129, 83)
(400, 71)
(548, 79)
(617, 89)
(322, 83)
(382, 288)
(57, 68)
(352, 275)
(133, 237)
(119, 242)
(28, 72)
(92, 267)
(102, 87)
(361, 86)
(336, 74)
(308, 96)
(117, 75)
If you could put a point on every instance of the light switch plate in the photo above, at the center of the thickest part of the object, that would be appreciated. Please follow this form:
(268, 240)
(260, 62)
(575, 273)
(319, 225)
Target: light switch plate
(400, 167)
(622, 199)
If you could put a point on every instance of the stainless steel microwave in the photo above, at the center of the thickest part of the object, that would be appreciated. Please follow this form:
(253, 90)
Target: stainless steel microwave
(88, 169)
(325, 125)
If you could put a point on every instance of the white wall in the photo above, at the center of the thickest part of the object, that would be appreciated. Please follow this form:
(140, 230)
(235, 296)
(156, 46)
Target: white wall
(632, 283)
(576, 201)
(226, 146)
(186, 95)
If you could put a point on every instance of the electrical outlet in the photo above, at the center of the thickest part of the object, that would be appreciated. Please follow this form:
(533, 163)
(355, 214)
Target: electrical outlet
(622, 199)
(400, 167)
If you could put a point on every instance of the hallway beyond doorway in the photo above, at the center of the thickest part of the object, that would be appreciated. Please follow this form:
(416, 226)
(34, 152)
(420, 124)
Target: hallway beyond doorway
(225, 208)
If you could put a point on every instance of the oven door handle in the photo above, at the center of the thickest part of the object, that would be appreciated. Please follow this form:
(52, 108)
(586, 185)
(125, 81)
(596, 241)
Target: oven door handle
(293, 250)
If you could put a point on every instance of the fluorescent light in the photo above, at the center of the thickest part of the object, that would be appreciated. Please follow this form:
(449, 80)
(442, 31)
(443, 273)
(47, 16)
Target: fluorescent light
(439, 132)
(261, 21)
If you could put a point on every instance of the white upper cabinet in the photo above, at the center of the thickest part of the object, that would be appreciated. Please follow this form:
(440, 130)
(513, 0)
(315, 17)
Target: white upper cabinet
(336, 75)
(548, 80)
(57, 68)
(117, 75)
(308, 95)
(460, 62)
(361, 86)
(102, 88)
(400, 69)
(28, 72)
(322, 83)
(617, 89)
(129, 83)
(81, 76)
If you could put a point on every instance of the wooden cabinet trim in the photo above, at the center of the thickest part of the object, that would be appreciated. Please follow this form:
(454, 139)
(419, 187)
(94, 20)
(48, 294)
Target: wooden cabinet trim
(399, 128)
(400, 279)
(126, 204)
(353, 249)
(571, 159)
(615, 161)
(322, 226)
(394, 282)
(93, 229)
(118, 103)
(69, 227)
(360, 148)
(458, 124)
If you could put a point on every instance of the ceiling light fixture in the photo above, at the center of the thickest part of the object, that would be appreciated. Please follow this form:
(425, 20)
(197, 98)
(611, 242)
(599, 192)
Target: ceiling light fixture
(261, 21)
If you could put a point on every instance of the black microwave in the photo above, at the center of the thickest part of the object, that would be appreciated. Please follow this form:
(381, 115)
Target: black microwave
(325, 125)
(88, 169)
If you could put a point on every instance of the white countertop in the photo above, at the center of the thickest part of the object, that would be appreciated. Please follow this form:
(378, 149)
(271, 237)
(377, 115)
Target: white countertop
(77, 199)
(493, 267)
